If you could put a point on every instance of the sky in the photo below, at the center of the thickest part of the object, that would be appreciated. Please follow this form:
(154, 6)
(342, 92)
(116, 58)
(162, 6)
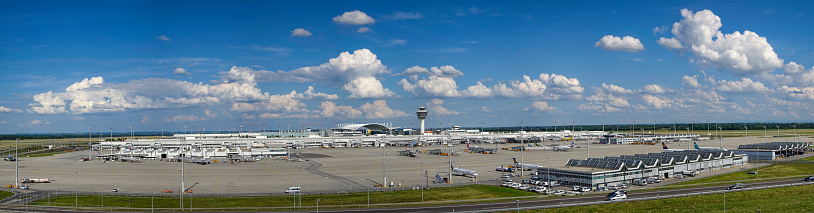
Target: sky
(68, 66)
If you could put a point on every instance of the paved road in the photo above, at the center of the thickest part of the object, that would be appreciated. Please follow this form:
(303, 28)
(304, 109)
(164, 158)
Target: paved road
(512, 205)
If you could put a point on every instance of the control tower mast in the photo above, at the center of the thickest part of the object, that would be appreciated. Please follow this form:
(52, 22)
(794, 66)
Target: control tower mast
(422, 114)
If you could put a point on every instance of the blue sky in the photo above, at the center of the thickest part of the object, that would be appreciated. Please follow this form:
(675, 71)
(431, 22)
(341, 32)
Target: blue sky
(215, 65)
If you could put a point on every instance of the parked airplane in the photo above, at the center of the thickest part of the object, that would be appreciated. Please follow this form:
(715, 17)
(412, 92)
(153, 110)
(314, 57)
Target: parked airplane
(564, 148)
(463, 172)
(470, 147)
(526, 166)
(665, 149)
(708, 148)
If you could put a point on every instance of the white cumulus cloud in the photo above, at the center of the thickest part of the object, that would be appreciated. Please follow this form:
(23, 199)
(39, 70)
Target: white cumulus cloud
(670, 43)
(745, 85)
(541, 106)
(743, 53)
(367, 87)
(331, 110)
(163, 38)
(793, 68)
(436, 106)
(180, 71)
(363, 30)
(379, 109)
(355, 17)
(691, 82)
(655, 89)
(5, 109)
(300, 32)
(627, 43)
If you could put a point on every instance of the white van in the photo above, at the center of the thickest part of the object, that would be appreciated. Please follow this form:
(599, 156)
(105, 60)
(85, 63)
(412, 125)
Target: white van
(295, 189)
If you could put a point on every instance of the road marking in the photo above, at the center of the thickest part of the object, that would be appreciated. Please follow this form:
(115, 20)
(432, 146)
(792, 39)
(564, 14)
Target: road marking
(216, 183)
(134, 186)
(196, 170)
(272, 171)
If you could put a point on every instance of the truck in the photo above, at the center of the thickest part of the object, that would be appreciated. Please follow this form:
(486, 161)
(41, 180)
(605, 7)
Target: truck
(689, 173)
(43, 180)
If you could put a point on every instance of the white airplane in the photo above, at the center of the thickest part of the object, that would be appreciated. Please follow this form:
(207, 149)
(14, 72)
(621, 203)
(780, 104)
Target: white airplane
(564, 148)
(665, 149)
(526, 166)
(708, 148)
(463, 172)
(470, 147)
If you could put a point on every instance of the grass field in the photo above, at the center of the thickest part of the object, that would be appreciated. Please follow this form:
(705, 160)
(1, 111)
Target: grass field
(784, 199)
(807, 159)
(436, 194)
(775, 170)
(5, 194)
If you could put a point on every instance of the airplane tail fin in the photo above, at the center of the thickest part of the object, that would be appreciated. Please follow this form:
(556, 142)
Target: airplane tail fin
(515, 160)
(696, 145)
(572, 143)
(663, 145)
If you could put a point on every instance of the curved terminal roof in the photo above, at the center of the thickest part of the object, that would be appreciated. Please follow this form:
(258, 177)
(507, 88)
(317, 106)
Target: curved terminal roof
(370, 126)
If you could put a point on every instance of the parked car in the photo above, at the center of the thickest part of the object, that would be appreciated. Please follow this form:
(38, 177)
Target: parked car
(736, 186)
(585, 189)
(523, 187)
(614, 193)
(617, 197)
(575, 188)
(515, 185)
(559, 192)
(602, 189)
(294, 189)
(507, 183)
(809, 178)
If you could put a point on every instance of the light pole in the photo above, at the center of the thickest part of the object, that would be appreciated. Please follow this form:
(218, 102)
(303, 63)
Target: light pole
(724, 193)
(422, 188)
(757, 173)
(795, 133)
(548, 174)
(90, 147)
(778, 132)
(720, 139)
(183, 143)
(152, 202)
(368, 193)
(522, 147)
(76, 189)
(518, 205)
(317, 205)
(384, 160)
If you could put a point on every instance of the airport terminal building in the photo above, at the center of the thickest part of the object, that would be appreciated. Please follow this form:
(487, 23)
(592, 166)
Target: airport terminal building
(773, 150)
(627, 169)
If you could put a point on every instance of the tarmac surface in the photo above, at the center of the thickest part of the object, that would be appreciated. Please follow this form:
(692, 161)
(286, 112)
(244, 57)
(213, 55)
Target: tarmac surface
(324, 170)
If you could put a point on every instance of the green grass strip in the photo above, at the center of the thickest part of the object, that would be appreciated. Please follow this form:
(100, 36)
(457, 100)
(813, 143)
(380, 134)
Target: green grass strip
(776, 170)
(392, 197)
(5, 194)
(783, 199)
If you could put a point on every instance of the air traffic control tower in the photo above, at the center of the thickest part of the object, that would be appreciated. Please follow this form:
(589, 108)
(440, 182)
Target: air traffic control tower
(422, 114)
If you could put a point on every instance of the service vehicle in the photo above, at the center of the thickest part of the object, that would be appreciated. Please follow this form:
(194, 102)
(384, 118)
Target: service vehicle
(295, 189)
(736, 186)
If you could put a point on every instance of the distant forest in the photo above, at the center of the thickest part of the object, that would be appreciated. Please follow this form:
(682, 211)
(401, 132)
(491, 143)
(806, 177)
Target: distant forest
(658, 127)
(608, 127)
